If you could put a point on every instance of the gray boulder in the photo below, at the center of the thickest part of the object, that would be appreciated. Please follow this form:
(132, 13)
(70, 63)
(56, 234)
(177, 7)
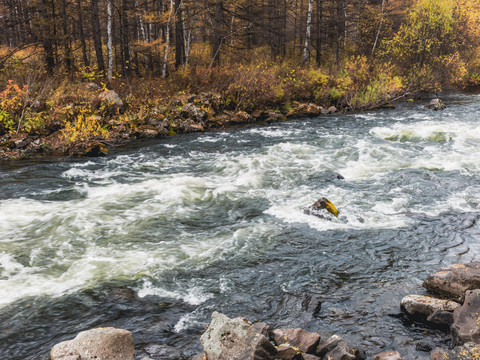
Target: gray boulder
(110, 97)
(466, 320)
(197, 114)
(304, 341)
(102, 343)
(452, 281)
(436, 104)
(421, 305)
(235, 340)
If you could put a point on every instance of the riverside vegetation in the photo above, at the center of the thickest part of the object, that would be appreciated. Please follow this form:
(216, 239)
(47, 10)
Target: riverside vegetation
(51, 104)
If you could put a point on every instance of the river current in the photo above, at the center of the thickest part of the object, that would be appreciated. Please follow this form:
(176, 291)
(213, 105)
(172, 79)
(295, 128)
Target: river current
(154, 238)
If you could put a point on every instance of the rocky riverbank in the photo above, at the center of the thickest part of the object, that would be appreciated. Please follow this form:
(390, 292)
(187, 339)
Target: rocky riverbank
(97, 120)
(453, 305)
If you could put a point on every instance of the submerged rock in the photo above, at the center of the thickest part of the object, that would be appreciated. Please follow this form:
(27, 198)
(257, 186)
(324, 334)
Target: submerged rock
(452, 281)
(234, 340)
(466, 320)
(436, 104)
(102, 343)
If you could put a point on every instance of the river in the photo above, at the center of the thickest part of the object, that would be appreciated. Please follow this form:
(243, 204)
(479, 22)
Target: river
(156, 237)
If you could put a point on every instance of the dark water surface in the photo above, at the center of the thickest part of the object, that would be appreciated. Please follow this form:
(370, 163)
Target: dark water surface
(156, 238)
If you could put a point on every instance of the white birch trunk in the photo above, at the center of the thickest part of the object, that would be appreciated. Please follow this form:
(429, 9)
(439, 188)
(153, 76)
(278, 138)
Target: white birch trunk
(167, 44)
(109, 40)
(379, 27)
(308, 33)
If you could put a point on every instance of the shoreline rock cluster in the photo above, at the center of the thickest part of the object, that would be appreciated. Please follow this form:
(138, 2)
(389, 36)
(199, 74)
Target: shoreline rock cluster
(453, 304)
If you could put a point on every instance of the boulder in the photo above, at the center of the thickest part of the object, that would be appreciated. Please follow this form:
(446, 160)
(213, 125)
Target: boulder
(241, 117)
(274, 116)
(441, 318)
(336, 348)
(109, 101)
(199, 357)
(197, 114)
(234, 340)
(310, 357)
(92, 86)
(331, 110)
(101, 343)
(305, 110)
(147, 131)
(388, 355)
(452, 281)
(466, 320)
(423, 346)
(436, 104)
(306, 342)
(469, 351)
(287, 352)
(423, 306)
(261, 328)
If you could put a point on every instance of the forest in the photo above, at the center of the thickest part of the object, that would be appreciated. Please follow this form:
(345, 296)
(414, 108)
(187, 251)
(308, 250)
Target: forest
(248, 56)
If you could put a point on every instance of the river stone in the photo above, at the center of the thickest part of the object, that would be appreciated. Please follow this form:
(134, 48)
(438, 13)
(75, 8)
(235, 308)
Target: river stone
(335, 348)
(436, 104)
(388, 355)
(164, 352)
(147, 131)
(466, 320)
(452, 281)
(287, 352)
(193, 112)
(241, 117)
(469, 351)
(441, 317)
(420, 305)
(262, 328)
(235, 340)
(102, 343)
(199, 357)
(306, 342)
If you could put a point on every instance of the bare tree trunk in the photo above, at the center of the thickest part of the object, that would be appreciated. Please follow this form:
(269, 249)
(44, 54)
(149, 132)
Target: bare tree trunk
(109, 40)
(308, 33)
(66, 38)
(167, 44)
(379, 28)
(97, 40)
(46, 38)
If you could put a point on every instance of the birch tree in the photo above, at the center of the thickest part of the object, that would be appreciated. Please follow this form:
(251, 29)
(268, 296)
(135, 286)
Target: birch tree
(109, 40)
(308, 32)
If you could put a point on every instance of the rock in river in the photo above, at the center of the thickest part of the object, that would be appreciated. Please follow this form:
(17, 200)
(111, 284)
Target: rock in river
(466, 320)
(234, 340)
(421, 305)
(452, 281)
(102, 343)
(304, 341)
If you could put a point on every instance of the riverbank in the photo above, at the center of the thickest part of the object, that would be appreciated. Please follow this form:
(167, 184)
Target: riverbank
(74, 117)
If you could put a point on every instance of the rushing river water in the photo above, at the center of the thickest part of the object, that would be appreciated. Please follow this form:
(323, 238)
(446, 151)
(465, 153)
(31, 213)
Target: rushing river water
(155, 238)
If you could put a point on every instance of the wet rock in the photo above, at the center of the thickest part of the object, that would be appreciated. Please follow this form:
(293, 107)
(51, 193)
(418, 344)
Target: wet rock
(441, 318)
(197, 114)
(147, 131)
(235, 340)
(189, 126)
(261, 328)
(423, 306)
(320, 205)
(423, 346)
(164, 352)
(388, 355)
(310, 357)
(469, 351)
(287, 352)
(436, 104)
(466, 320)
(101, 343)
(89, 149)
(452, 281)
(306, 342)
(241, 117)
(336, 348)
